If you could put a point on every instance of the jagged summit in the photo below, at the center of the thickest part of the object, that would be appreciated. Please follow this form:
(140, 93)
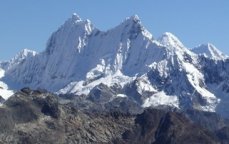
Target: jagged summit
(20, 57)
(170, 40)
(25, 53)
(131, 27)
(76, 17)
(209, 50)
(174, 47)
(134, 18)
(72, 35)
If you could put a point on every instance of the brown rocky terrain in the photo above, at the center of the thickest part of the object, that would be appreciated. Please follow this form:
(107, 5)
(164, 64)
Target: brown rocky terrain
(32, 117)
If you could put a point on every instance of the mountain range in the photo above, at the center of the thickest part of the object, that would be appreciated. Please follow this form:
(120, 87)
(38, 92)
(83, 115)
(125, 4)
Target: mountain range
(123, 62)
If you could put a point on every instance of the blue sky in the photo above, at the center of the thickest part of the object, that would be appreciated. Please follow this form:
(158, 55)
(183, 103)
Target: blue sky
(29, 23)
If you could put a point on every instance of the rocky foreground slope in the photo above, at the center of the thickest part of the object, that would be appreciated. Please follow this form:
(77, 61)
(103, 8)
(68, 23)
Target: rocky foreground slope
(40, 117)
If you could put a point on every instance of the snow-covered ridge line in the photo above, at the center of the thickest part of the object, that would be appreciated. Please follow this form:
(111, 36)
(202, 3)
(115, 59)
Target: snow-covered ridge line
(209, 50)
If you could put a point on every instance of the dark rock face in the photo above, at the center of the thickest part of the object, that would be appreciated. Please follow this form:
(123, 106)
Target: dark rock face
(50, 107)
(208, 120)
(101, 94)
(1, 99)
(146, 127)
(223, 135)
(39, 117)
(160, 127)
(124, 105)
(175, 128)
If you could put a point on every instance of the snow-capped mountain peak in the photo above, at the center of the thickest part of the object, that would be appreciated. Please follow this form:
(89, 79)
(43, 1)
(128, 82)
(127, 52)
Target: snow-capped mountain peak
(209, 50)
(25, 53)
(169, 40)
(133, 26)
(72, 35)
(76, 17)
(134, 18)
(174, 47)
(19, 58)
